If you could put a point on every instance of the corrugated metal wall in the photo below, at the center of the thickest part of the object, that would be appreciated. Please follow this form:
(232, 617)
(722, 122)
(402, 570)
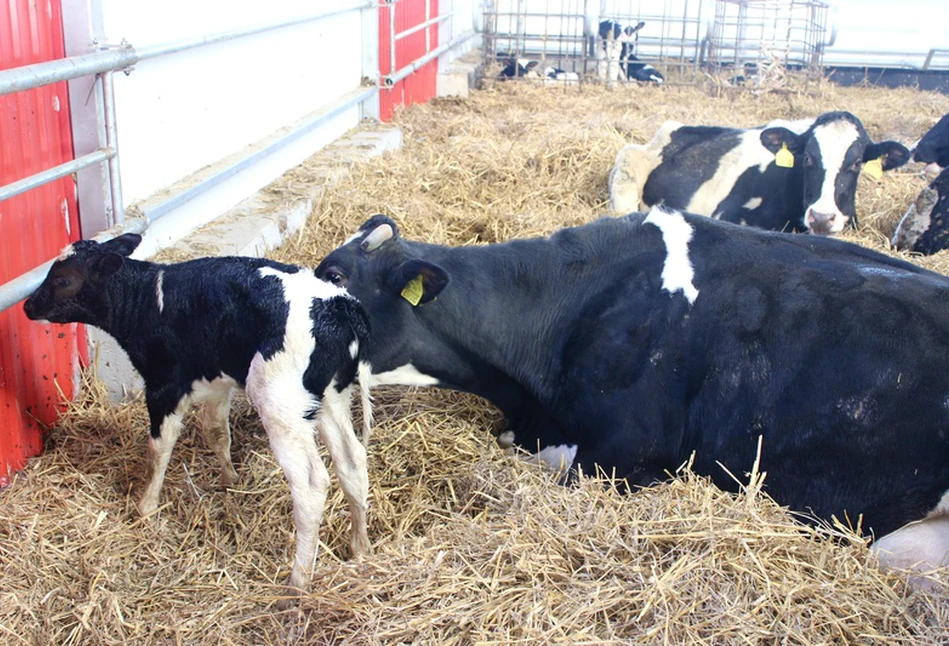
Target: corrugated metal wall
(36, 361)
(420, 86)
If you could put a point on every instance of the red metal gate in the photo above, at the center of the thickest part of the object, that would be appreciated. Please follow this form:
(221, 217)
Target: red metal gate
(419, 86)
(38, 363)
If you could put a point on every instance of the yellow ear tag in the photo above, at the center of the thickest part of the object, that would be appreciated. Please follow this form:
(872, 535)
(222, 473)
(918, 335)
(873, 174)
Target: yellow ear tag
(413, 291)
(784, 157)
(874, 168)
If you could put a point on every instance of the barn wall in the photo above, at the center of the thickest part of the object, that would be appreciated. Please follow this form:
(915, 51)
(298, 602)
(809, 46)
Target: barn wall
(37, 362)
(179, 113)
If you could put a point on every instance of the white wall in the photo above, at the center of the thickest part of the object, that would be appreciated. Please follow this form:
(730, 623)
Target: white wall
(181, 112)
(887, 33)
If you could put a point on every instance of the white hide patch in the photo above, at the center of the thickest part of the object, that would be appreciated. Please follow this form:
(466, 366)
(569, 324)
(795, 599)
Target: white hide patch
(916, 221)
(632, 167)
(747, 154)
(834, 140)
(677, 272)
(354, 349)
(159, 292)
(559, 458)
(752, 204)
(407, 375)
(67, 251)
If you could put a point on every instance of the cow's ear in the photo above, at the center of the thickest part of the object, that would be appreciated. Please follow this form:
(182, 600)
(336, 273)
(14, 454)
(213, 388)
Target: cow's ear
(378, 219)
(418, 281)
(893, 154)
(106, 264)
(123, 245)
(776, 138)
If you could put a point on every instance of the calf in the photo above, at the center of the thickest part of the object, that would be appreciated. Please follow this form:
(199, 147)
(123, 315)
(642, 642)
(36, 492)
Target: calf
(925, 226)
(788, 175)
(616, 54)
(196, 329)
(636, 344)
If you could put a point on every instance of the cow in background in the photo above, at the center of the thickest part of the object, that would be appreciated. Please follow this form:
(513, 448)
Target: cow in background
(616, 54)
(925, 226)
(786, 176)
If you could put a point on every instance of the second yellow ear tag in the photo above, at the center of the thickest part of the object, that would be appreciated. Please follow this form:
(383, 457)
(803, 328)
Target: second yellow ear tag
(784, 157)
(874, 168)
(413, 291)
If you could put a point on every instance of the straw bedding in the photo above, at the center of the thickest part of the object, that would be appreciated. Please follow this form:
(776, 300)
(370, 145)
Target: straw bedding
(472, 545)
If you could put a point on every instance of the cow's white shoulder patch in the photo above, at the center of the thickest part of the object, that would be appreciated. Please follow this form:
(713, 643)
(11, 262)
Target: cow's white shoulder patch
(407, 375)
(677, 271)
(732, 165)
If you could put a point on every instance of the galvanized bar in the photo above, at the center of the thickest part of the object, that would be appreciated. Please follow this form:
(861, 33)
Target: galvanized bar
(111, 134)
(301, 127)
(54, 173)
(200, 41)
(391, 4)
(392, 79)
(14, 291)
(37, 75)
(422, 25)
(102, 141)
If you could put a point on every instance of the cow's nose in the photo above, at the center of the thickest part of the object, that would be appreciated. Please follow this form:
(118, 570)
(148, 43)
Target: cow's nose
(821, 223)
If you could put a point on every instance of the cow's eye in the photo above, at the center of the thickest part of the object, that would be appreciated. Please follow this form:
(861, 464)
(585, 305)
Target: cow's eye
(61, 282)
(808, 160)
(333, 276)
(855, 167)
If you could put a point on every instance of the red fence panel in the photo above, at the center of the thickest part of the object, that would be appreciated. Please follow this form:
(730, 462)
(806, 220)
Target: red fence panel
(419, 86)
(38, 363)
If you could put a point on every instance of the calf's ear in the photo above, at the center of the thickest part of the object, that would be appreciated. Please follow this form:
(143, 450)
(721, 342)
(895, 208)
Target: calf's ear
(418, 281)
(106, 264)
(123, 245)
(377, 219)
(775, 138)
(893, 154)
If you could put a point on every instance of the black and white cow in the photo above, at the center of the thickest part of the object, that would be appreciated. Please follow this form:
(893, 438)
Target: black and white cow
(520, 68)
(925, 226)
(633, 343)
(196, 330)
(788, 175)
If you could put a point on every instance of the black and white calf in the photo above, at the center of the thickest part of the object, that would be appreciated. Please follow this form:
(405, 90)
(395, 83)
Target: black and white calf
(787, 175)
(925, 226)
(195, 330)
(633, 343)
(616, 54)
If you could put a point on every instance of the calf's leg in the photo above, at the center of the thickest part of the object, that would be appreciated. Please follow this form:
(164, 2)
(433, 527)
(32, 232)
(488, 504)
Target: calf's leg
(215, 425)
(166, 427)
(349, 461)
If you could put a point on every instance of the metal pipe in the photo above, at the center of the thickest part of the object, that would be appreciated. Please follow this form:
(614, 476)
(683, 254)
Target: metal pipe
(421, 26)
(102, 141)
(36, 75)
(54, 173)
(391, 4)
(200, 41)
(392, 79)
(111, 134)
(14, 291)
(301, 127)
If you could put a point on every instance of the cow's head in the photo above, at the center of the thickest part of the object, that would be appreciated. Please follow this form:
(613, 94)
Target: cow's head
(831, 154)
(383, 271)
(74, 289)
(933, 148)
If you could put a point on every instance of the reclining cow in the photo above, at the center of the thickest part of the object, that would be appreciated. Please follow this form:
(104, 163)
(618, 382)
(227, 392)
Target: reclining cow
(616, 54)
(196, 330)
(631, 343)
(786, 176)
(925, 226)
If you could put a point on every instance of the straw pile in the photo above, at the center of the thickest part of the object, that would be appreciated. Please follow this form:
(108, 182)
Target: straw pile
(472, 545)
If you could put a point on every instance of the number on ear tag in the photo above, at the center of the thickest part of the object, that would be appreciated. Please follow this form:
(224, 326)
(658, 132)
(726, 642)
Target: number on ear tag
(874, 168)
(784, 157)
(413, 291)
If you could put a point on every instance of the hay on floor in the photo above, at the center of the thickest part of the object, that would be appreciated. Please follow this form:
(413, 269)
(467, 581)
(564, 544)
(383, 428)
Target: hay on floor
(472, 544)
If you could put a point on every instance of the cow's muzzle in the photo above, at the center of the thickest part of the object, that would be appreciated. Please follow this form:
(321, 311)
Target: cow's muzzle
(824, 223)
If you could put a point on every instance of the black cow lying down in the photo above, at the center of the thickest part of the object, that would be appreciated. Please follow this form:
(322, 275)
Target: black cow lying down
(785, 176)
(632, 342)
(925, 226)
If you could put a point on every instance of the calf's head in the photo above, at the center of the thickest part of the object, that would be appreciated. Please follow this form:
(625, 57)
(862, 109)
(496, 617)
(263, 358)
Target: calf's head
(385, 273)
(74, 290)
(831, 154)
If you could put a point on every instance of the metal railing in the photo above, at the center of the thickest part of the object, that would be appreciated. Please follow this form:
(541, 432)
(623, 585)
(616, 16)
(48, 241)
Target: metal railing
(102, 64)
